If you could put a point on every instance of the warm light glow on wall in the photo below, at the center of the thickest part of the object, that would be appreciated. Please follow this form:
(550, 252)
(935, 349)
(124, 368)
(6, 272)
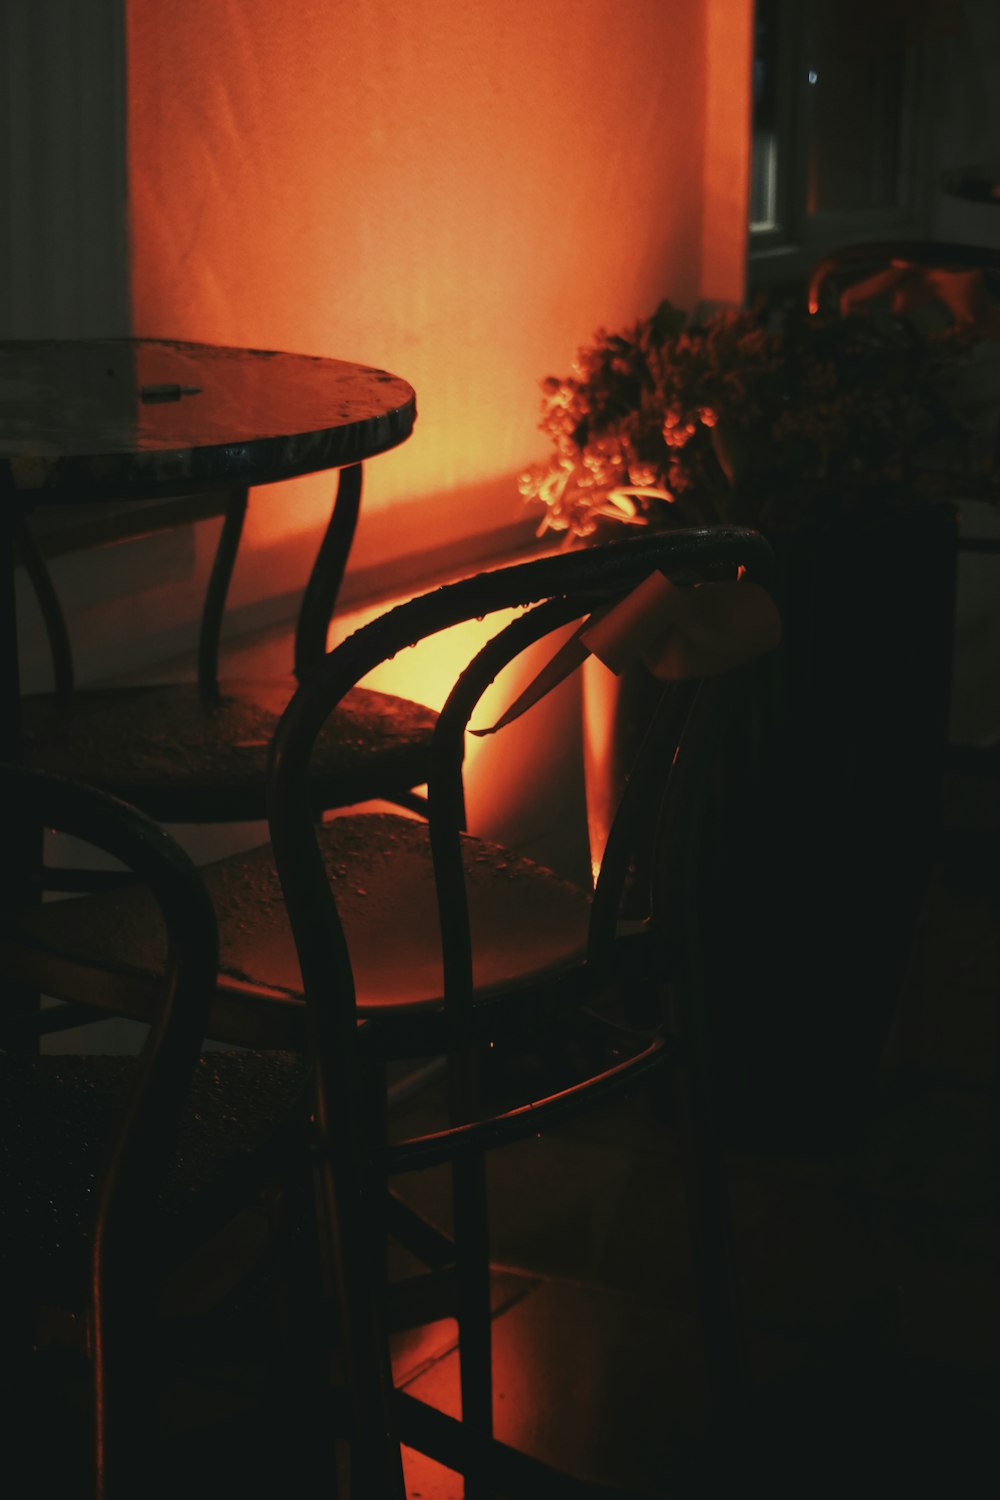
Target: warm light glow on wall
(460, 191)
(457, 190)
(525, 785)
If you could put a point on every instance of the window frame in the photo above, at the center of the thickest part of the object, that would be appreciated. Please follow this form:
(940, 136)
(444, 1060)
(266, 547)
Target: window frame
(791, 247)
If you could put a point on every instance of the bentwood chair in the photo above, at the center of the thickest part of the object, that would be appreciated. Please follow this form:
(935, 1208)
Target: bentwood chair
(943, 284)
(463, 950)
(137, 1190)
(195, 751)
(406, 939)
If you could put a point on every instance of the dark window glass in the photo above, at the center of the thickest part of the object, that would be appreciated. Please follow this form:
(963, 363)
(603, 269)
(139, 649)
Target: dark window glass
(764, 174)
(855, 77)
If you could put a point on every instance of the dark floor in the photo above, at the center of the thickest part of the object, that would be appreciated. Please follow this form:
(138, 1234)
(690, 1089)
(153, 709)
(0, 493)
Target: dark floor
(869, 1268)
(869, 1271)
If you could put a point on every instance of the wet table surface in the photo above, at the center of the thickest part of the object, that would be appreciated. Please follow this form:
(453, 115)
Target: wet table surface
(89, 421)
(136, 418)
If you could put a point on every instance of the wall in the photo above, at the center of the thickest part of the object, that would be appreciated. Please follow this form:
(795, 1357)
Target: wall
(63, 250)
(725, 187)
(458, 190)
(461, 192)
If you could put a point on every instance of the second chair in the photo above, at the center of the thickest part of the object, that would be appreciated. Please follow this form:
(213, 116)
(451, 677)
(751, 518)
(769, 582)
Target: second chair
(376, 938)
(196, 751)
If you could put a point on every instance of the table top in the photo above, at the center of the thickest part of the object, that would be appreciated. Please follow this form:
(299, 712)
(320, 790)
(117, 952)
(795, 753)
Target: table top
(126, 418)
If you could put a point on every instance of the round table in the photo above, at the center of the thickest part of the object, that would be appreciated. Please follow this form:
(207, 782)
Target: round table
(134, 418)
(139, 419)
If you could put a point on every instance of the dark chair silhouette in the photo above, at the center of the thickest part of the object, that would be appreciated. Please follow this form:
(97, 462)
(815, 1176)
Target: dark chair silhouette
(133, 1186)
(466, 951)
(195, 752)
(411, 940)
(958, 284)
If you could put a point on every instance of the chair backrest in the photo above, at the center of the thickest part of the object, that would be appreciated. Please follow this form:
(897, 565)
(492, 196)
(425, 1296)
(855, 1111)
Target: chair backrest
(146, 1129)
(81, 528)
(850, 265)
(546, 595)
(553, 592)
(143, 1136)
(937, 284)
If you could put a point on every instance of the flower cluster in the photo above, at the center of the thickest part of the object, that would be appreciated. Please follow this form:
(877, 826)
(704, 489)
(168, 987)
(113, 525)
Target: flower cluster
(771, 419)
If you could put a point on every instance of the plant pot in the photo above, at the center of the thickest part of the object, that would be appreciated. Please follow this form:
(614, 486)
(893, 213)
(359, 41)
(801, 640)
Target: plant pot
(829, 822)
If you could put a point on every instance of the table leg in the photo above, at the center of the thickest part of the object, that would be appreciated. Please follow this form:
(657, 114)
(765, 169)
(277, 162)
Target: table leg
(22, 859)
(320, 598)
(10, 680)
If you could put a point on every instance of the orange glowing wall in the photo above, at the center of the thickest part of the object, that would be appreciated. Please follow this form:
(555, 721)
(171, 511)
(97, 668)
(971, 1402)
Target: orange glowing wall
(457, 190)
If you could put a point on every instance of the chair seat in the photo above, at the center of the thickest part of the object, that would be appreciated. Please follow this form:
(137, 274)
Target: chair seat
(58, 1112)
(183, 759)
(526, 922)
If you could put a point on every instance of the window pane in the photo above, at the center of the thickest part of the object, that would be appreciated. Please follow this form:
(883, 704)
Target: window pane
(855, 78)
(764, 160)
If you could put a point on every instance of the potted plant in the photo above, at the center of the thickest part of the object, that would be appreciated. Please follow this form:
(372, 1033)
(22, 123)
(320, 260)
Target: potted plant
(831, 435)
(787, 420)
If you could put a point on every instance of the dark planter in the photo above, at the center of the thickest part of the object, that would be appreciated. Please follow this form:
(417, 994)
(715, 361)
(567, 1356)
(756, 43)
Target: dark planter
(827, 821)
(828, 842)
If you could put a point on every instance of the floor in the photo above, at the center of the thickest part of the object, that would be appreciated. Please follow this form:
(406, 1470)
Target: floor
(868, 1271)
(868, 1265)
(868, 1268)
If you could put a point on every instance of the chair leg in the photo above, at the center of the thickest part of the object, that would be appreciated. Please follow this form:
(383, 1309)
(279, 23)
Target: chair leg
(350, 1221)
(472, 1255)
(703, 1163)
(301, 1400)
(472, 1264)
(375, 1466)
(704, 1168)
(125, 1391)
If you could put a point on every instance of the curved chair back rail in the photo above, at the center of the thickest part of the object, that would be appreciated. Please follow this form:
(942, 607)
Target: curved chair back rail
(592, 577)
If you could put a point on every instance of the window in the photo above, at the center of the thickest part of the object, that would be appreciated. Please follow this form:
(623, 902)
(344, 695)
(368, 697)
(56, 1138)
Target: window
(771, 119)
(837, 127)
